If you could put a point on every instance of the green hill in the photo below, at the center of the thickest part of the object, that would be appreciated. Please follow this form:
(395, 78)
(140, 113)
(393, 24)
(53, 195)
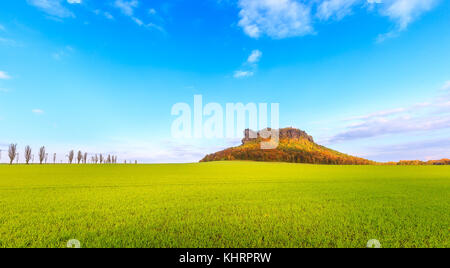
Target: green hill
(295, 146)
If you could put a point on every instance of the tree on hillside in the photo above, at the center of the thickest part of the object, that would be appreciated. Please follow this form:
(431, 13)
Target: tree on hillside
(85, 158)
(41, 155)
(27, 154)
(79, 157)
(70, 156)
(101, 159)
(108, 160)
(54, 158)
(12, 151)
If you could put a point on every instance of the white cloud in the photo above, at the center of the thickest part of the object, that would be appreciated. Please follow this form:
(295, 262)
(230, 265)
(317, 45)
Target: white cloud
(403, 12)
(37, 111)
(243, 74)
(385, 126)
(108, 15)
(255, 56)
(274, 18)
(288, 18)
(127, 7)
(138, 21)
(249, 67)
(52, 7)
(335, 8)
(104, 13)
(428, 116)
(4, 75)
(74, 1)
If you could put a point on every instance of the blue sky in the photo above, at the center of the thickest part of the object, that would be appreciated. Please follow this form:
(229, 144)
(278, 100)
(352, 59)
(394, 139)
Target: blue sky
(366, 77)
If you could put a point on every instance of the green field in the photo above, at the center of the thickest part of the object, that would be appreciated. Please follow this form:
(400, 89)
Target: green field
(224, 204)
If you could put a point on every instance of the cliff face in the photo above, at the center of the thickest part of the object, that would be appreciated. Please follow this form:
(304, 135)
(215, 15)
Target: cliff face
(284, 134)
(294, 146)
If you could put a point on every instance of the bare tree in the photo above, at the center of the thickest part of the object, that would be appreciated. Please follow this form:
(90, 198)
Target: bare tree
(12, 152)
(54, 158)
(79, 157)
(70, 156)
(108, 160)
(101, 159)
(85, 158)
(41, 155)
(96, 159)
(27, 154)
(46, 158)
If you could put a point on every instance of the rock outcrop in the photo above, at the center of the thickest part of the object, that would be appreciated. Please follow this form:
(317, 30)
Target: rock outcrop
(284, 134)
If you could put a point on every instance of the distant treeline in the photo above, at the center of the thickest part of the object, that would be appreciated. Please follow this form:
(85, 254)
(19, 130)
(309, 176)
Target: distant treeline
(420, 163)
(43, 157)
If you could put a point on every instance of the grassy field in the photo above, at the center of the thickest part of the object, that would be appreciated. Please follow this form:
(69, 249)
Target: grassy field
(224, 204)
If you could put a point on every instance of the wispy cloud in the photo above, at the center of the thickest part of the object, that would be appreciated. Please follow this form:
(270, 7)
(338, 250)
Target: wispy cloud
(385, 126)
(4, 75)
(249, 67)
(243, 74)
(255, 57)
(37, 111)
(289, 18)
(427, 149)
(104, 13)
(276, 19)
(430, 116)
(335, 9)
(54, 8)
(128, 9)
(403, 13)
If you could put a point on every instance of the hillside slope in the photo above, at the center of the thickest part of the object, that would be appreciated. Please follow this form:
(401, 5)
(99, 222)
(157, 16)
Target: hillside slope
(295, 146)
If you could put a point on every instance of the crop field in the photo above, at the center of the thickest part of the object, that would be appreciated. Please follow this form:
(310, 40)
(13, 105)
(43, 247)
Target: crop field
(224, 204)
